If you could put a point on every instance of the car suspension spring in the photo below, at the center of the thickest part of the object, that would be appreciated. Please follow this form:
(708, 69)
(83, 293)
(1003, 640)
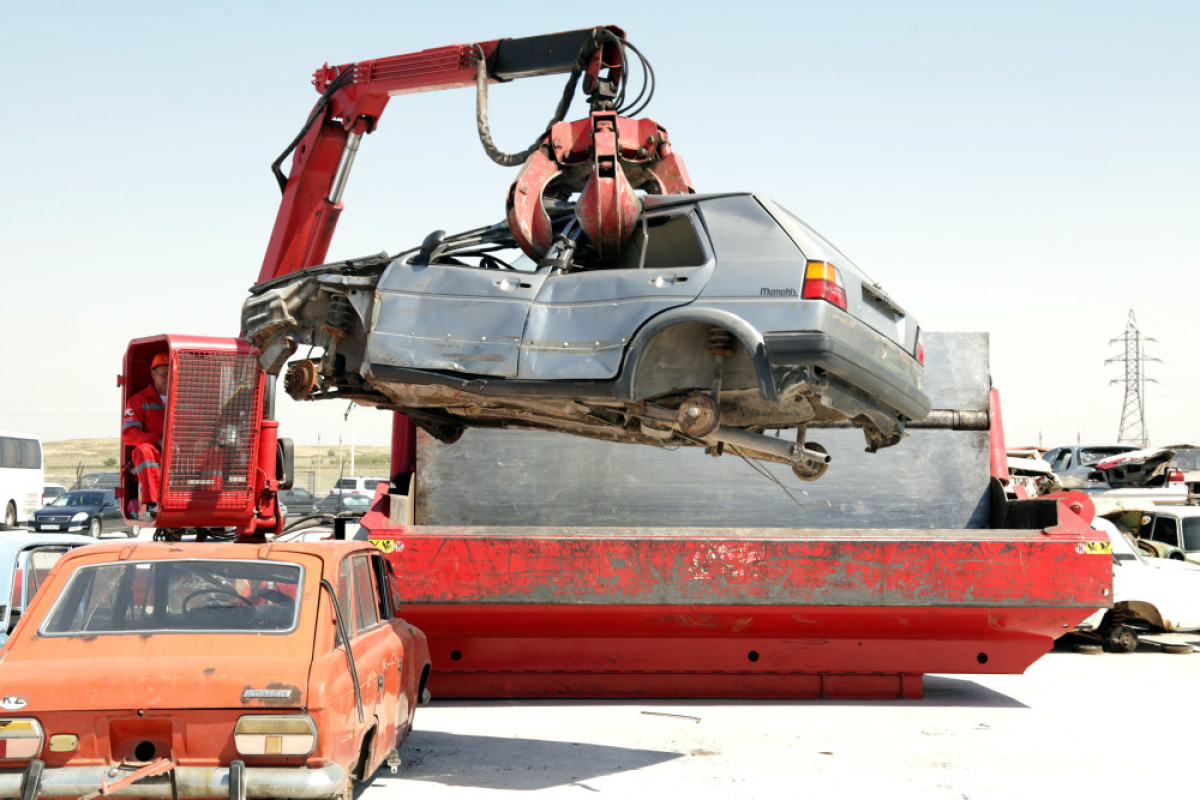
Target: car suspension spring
(720, 342)
(339, 316)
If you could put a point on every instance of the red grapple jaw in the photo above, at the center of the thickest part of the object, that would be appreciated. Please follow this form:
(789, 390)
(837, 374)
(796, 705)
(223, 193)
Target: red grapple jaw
(528, 220)
(605, 159)
(608, 208)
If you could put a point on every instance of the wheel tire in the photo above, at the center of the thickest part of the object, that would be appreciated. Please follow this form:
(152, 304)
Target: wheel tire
(10, 517)
(96, 528)
(1120, 639)
(1177, 649)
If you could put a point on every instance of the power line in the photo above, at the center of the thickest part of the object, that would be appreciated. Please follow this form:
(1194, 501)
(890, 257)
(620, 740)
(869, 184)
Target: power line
(1133, 412)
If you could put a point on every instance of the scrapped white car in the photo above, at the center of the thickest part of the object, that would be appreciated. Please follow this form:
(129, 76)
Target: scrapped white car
(1149, 595)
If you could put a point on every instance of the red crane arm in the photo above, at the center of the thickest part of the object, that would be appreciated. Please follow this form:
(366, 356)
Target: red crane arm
(353, 96)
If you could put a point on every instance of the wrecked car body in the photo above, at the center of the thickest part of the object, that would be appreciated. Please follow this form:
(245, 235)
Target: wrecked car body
(725, 316)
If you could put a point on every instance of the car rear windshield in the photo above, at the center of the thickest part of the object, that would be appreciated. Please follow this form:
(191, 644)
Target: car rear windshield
(185, 596)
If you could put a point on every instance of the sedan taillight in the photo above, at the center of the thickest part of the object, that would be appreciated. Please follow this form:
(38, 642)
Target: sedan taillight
(20, 738)
(275, 735)
(822, 282)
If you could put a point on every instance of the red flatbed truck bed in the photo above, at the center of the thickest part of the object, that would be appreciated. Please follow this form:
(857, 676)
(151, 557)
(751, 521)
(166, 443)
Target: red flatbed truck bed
(521, 564)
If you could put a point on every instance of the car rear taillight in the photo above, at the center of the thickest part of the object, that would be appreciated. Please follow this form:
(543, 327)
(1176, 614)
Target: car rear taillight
(822, 282)
(920, 351)
(1175, 476)
(20, 738)
(275, 735)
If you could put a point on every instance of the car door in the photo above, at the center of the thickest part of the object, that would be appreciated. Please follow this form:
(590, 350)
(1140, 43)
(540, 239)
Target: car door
(1166, 529)
(376, 655)
(583, 317)
(404, 677)
(462, 319)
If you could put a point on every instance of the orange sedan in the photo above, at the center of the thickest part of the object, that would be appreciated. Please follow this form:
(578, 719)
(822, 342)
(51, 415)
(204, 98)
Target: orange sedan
(209, 670)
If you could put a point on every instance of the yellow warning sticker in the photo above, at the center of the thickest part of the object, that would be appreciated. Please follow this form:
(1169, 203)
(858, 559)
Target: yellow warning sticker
(1099, 548)
(388, 545)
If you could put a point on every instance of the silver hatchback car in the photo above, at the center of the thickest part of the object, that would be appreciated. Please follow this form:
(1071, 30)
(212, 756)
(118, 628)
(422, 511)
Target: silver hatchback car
(725, 317)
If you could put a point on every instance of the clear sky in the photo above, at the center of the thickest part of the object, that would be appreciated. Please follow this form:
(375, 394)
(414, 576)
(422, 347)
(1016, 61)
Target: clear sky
(1029, 169)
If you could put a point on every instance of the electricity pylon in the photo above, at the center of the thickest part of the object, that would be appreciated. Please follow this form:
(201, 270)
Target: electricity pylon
(1133, 412)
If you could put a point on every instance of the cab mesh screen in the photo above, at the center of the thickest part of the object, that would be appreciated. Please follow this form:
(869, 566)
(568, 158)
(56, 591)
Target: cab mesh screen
(214, 407)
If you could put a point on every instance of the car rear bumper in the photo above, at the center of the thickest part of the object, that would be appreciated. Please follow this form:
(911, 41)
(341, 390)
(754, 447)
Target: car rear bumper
(296, 782)
(891, 379)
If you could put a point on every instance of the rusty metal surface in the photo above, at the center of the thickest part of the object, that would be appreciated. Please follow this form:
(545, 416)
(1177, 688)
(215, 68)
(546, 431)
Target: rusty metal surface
(880, 568)
(933, 479)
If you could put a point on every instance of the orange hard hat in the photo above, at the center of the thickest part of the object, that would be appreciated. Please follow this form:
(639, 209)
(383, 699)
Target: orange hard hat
(160, 360)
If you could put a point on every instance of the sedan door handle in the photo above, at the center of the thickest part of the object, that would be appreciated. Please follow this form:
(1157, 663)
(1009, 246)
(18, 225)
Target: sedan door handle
(667, 279)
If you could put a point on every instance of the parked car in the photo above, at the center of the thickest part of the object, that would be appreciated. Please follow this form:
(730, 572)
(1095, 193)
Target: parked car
(25, 561)
(356, 485)
(1176, 528)
(353, 505)
(98, 480)
(274, 672)
(51, 491)
(298, 501)
(724, 315)
(1149, 594)
(91, 510)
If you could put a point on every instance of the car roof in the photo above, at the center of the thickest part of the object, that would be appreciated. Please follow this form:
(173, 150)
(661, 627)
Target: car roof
(13, 543)
(146, 551)
(1179, 511)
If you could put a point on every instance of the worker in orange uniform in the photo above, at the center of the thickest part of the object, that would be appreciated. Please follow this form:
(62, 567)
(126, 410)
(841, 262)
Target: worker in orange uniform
(142, 427)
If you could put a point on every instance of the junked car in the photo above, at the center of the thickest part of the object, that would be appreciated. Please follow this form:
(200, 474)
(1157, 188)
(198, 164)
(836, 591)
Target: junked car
(229, 670)
(25, 561)
(725, 316)
(1144, 474)
(1149, 595)
(1074, 464)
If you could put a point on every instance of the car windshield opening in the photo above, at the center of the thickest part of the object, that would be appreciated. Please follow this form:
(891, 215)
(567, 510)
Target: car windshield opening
(192, 596)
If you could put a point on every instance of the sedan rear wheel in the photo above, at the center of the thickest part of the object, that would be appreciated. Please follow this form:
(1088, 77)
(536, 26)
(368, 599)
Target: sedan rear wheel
(10, 517)
(95, 528)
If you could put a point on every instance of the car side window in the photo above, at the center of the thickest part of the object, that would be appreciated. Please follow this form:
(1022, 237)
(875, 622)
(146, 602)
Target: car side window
(366, 605)
(344, 592)
(662, 242)
(386, 587)
(1166, 530)
(1062, 460)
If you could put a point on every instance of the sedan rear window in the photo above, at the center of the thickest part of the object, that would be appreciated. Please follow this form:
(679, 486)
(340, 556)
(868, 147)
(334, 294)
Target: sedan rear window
(192, 596)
